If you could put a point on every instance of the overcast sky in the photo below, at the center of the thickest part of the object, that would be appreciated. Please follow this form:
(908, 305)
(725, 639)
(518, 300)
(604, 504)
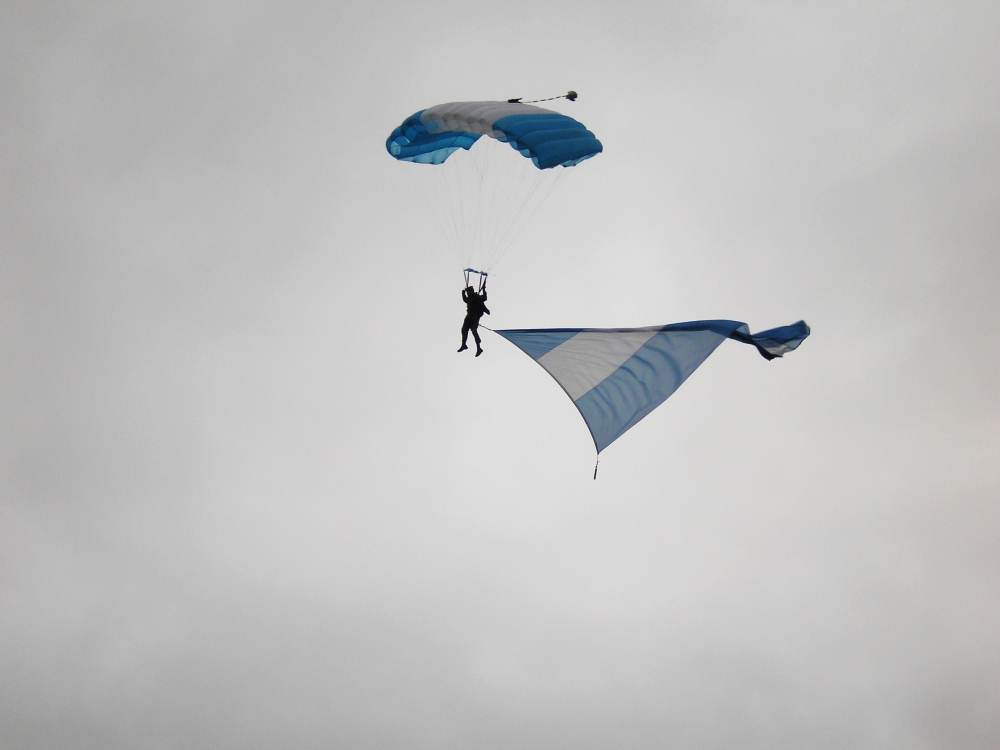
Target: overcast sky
(250, 496)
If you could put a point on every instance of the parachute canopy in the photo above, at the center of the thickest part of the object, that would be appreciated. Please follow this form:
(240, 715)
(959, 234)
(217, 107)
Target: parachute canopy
(485, 194)
(548, 138)
(616, 376)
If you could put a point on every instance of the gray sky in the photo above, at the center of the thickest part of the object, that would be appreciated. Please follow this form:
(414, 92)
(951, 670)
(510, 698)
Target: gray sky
(250, 497)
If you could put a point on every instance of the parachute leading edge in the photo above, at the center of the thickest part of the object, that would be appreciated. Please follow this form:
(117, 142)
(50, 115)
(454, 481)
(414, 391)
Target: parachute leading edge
(616, 376)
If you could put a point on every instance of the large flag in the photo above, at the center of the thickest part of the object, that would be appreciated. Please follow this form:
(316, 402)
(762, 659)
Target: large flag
(616, 376)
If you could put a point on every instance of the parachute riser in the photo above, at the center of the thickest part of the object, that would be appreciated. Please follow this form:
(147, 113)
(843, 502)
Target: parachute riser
(481, 285)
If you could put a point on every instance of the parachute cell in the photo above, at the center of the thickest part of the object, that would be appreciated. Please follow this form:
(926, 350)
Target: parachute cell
(616, 376)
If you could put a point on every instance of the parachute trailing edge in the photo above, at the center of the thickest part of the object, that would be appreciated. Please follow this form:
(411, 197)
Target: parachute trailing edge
(616, 376)
(548, 138)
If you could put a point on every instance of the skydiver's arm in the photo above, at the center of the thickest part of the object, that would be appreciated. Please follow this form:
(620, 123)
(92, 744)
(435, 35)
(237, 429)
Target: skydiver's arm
(486, 309)
(464, 297)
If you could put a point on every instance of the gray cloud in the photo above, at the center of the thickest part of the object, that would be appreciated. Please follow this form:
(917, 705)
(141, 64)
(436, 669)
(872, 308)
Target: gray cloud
(250, 497)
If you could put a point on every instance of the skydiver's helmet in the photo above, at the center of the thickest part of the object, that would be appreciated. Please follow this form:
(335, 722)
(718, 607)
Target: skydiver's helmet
(470, 289)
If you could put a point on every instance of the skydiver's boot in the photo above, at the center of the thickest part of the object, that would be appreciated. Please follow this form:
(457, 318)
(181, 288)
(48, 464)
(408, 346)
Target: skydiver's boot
(479, 350)
(462, 348)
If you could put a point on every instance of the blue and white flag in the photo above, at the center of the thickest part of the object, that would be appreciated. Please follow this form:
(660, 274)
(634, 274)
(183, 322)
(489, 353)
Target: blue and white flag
(616, 376)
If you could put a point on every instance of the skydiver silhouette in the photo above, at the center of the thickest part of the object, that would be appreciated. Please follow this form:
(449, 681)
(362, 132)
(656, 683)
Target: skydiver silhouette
(475, 306)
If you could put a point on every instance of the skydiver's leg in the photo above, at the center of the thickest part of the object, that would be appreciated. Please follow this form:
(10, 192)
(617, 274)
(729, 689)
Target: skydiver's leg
(475, 335)
(465, 334)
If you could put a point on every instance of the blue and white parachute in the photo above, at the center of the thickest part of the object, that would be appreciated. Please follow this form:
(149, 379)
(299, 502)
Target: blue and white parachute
(548, 138)
(484, 194)
(616, 376)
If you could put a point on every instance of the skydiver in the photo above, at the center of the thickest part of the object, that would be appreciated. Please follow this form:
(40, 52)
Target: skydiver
(475, 305)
